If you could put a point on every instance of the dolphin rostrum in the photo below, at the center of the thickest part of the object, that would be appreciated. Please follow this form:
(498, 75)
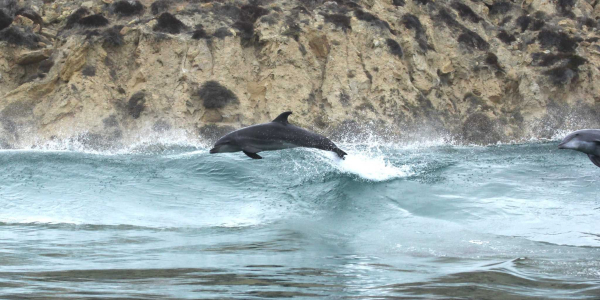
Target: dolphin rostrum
(586, 141)
(275, 135)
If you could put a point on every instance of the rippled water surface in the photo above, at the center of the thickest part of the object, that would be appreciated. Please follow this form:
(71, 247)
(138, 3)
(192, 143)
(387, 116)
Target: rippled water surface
(501, 222)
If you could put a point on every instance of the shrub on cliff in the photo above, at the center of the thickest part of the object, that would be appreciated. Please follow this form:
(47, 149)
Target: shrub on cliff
(45, 65)
(465, 12)
(492, 60)
(214, 95)
(251, 13)
(370, 18)
(127, 8)
(135, 105)
(5, 19)
(561, 75)
(537, 25)
(499, 8)
(589, 22)
(523, 22)
(399, 2)
(506, 37)
(73, 18)
(338, 20)
(562, 41)
(394, 48)
(169, 24)
(199, 33)
(473, 41)
(448, 18)
(566, 66)
(222, 33)
(113, 37)
(565, 7)
(93, 21)
(533, 24)
(245, 29)
(16, 36)
(160, 6)
(549, 59)
(412, 22)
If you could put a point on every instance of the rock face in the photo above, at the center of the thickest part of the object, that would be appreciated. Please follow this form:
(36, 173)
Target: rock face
(112, 72)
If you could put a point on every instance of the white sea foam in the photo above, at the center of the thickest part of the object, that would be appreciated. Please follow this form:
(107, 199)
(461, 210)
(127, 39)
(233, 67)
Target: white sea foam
(145, 142)
(370, 164)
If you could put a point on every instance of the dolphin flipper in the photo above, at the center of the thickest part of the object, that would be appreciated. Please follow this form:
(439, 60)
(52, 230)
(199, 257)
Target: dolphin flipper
(595, 159)
(251, 152)
(252, 155)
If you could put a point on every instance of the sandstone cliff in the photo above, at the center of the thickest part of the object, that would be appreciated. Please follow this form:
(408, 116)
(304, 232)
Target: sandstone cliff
(108, 73)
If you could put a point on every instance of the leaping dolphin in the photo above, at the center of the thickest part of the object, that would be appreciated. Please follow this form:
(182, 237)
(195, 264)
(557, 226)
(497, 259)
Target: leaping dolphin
(586, 141)
(275, 135)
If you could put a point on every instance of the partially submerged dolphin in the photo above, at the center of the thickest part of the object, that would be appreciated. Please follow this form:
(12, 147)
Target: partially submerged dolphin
(276, 135)
(586, 141)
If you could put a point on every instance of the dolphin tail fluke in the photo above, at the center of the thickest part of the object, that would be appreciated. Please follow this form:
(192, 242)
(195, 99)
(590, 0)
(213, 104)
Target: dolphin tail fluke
(340, 152)
(595, 159)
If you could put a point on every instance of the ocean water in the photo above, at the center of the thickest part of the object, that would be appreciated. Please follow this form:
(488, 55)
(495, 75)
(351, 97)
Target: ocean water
(391, 221)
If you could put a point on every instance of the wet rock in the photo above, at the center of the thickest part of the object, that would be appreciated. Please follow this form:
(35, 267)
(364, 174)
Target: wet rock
(161, 126)
(211, 132)
(479, 129)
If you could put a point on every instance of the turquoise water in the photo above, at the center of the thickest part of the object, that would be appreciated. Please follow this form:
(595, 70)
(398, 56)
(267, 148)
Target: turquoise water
(499, 222)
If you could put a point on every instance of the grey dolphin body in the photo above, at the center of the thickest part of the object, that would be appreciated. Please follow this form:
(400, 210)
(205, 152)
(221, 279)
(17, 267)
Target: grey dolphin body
(275, 135)
(586, 141)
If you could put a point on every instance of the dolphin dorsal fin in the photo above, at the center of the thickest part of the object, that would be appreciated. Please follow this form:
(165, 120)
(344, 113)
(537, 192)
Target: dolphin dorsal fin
(283, 118)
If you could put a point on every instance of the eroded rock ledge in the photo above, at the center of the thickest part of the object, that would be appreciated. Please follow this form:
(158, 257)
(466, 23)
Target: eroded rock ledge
(106, 72)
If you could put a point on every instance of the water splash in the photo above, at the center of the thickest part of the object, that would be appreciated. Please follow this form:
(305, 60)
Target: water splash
(368, 163)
